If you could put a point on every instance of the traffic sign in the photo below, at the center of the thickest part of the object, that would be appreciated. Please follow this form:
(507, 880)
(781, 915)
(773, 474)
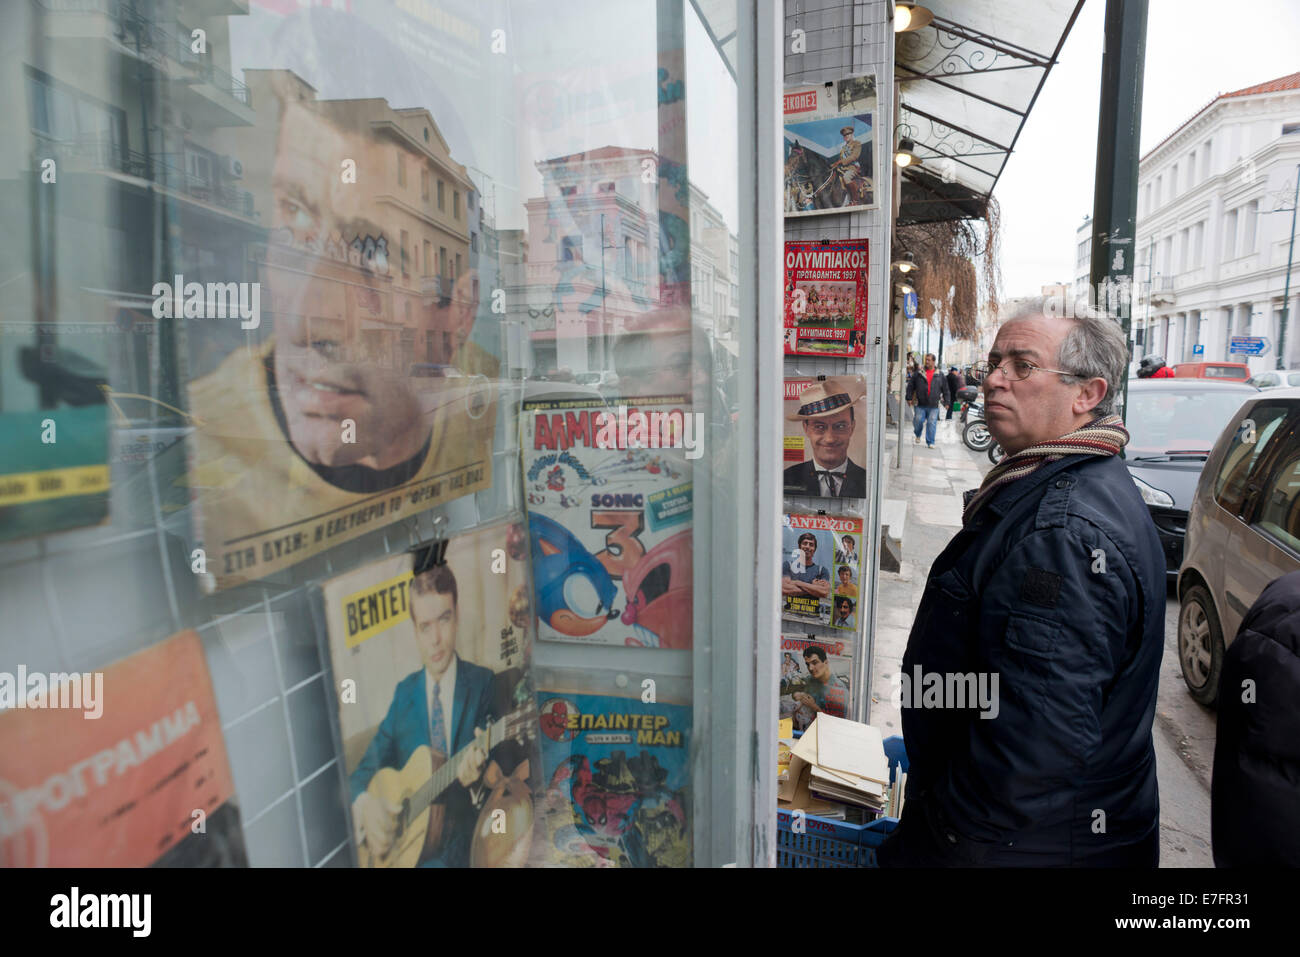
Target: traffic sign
(1249, 345)
(1198, 349)
(909, 305)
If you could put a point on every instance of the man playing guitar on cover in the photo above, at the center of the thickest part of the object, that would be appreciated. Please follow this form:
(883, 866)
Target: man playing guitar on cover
(440, 706)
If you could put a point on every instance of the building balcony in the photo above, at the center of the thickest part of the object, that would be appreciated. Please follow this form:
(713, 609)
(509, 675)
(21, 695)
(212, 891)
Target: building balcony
(432, 287)
(163, 169)
(1162, 290)
(83, 29)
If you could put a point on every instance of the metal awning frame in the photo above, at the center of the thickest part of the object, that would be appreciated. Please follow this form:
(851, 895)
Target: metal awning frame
(951, 36)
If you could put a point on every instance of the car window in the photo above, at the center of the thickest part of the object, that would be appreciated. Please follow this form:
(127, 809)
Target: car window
(1265, 381)
(1254, 435)
(1279, 509)
(1225, 372)
(1179, 418)
(1293, 378)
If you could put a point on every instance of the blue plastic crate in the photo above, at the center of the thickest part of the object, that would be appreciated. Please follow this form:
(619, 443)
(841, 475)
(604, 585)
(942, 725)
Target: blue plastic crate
(827, 843)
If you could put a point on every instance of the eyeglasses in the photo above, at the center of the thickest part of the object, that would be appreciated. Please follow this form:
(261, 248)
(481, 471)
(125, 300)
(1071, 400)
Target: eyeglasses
(1017, 369)
(839, 428)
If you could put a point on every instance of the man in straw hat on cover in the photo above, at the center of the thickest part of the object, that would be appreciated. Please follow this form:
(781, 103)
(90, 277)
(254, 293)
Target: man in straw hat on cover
(826, 411)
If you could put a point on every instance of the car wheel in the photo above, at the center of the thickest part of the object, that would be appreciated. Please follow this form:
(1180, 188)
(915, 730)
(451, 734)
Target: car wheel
(1200, 645)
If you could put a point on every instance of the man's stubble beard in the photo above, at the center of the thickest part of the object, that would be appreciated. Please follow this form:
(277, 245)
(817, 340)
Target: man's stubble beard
(391, 430)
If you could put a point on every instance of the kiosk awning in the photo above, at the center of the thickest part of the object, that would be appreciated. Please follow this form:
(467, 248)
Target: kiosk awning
(967, 82)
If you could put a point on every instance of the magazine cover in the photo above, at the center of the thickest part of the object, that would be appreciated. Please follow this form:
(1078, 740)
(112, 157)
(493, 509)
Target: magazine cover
(121, 768)
(609, 517)
(332, 395)
(617, 791)
(431, 653)
(829, 140)
(53, 429)
(816, 676)
(820, 569)
(826, 436)
(826, 298)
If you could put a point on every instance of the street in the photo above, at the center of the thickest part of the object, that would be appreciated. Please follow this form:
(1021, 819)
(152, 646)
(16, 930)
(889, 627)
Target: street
(932, 482)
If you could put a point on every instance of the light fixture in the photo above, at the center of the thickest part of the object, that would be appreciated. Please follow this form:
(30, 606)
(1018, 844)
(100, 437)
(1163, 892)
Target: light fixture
(905, 263)
(910, 16)
(904, 288)
(904, 156)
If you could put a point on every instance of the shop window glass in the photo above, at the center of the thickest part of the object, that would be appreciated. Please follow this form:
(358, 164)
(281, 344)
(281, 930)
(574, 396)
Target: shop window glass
(307, 456)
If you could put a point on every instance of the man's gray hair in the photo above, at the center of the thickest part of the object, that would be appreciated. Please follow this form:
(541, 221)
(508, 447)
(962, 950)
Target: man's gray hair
(1094, 348)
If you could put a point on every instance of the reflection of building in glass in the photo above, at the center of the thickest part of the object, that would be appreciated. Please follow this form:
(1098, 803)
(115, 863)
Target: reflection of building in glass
(128, 109)
(415, 196)
(413, 234)
(590, 260)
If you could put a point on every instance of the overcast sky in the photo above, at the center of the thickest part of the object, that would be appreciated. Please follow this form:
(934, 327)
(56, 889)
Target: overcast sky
(1196, 49)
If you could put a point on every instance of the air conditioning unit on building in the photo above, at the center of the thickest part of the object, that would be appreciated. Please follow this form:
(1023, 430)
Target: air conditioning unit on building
(234, 168)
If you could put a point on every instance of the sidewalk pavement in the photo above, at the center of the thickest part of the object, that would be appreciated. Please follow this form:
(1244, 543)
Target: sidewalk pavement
(932, 482)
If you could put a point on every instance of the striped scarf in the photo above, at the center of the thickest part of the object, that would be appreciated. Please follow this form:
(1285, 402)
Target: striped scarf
(1102, 436)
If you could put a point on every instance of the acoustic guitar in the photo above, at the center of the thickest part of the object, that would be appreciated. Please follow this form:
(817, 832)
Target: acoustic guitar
(416, 788)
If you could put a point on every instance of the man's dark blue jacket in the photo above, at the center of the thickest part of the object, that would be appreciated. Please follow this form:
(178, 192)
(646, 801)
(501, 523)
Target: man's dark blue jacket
(1058, 588)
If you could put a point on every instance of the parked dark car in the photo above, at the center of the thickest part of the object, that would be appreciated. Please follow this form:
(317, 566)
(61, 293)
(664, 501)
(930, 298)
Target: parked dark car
(1242, 534)
(1173, 425)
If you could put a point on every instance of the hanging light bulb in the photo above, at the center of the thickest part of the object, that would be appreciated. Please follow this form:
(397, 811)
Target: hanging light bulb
(904, 156)
(905, 263)
(910, 16)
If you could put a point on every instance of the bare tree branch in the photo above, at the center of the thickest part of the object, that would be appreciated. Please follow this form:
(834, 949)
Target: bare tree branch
(946, 255)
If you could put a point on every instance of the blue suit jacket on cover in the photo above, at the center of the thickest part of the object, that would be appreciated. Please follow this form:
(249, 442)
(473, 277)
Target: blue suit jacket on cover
(406, 726)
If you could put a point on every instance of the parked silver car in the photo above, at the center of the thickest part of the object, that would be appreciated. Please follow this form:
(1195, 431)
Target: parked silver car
(1243, 532)
(1276, 379)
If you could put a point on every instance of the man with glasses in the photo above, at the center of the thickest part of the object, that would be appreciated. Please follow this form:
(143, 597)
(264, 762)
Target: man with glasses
(928, 387)
(1059, 570)
(826, 411)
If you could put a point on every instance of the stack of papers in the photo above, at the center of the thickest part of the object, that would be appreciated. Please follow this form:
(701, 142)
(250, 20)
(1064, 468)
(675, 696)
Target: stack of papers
(841, 761)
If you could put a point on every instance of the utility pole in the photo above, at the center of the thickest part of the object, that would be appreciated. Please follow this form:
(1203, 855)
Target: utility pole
(604, 319)
(1286, 295)
(1119, 124)
(1146, 320)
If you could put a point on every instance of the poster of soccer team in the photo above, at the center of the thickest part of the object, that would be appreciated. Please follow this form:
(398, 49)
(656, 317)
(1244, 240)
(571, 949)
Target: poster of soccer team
(609, 520)
(820, 569)
(826, 298)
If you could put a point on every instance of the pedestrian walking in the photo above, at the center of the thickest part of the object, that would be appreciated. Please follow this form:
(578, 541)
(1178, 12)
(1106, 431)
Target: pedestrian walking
(955, 382)
(928, 387)
(1255, 790)
(1036, 749)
